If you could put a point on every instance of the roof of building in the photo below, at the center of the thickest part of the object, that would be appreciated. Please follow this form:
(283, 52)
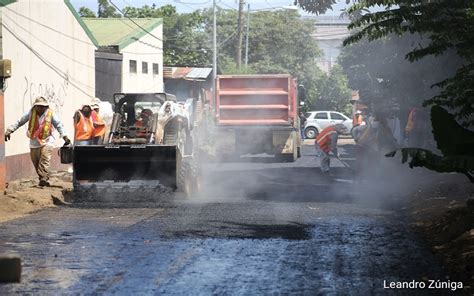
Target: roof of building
(187, 73)
(120, 31)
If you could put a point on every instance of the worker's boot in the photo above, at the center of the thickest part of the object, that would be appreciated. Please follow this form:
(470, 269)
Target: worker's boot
(43, 183)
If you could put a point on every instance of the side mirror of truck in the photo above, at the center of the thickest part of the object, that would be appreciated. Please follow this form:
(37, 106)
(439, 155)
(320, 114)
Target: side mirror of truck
(301, 93)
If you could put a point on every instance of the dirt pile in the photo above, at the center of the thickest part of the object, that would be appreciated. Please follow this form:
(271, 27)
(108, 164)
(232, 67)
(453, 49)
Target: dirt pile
(447, 223)
(24, 196)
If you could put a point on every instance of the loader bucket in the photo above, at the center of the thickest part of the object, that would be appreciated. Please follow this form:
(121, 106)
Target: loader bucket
(149, 164)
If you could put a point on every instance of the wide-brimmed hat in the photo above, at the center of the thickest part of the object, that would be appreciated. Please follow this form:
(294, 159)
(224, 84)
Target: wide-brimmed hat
(41, 101)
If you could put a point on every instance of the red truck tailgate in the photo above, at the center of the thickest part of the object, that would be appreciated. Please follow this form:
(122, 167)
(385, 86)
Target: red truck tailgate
(254, 99)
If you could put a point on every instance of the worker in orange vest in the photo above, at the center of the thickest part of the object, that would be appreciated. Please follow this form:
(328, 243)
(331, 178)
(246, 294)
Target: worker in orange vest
(83, 126)
(357, 119)
(326, 142)
(41, 123)
(143, 122)
(99, 125)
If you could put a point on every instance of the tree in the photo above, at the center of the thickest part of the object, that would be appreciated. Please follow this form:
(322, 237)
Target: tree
(184, 42)
(105, 10)
(444, 24)
(280, 42)
(86, 12)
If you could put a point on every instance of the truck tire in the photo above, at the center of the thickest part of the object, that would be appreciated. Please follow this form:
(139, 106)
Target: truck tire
(198, 114)
(179, 137)
(187, 182)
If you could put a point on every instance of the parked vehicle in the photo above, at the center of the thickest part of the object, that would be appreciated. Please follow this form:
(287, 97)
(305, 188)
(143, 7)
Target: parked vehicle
(316, 121)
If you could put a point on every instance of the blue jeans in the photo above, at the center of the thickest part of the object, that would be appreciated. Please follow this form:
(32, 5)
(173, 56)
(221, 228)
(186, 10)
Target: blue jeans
(324, 159)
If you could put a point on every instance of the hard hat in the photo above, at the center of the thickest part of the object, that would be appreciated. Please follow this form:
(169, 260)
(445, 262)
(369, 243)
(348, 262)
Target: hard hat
(358, 112)
(41, 101)
(94, 106)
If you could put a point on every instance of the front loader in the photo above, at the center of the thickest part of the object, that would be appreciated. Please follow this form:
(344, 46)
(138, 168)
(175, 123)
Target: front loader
(140, 158)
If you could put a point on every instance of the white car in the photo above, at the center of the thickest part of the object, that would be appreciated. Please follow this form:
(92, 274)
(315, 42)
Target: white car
(316, 121)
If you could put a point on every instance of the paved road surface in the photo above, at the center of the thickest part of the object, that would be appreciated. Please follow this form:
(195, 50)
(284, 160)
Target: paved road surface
(257, 229)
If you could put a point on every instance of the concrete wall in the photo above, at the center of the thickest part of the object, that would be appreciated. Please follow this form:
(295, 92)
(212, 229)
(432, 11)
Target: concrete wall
(51, 56)
(146, 49)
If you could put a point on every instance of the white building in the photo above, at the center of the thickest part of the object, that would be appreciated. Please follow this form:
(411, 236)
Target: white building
(130, 55)
(329, 32)
(52, 55)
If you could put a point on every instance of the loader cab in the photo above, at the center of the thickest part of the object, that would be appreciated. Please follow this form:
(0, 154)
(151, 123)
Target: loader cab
(131, 105)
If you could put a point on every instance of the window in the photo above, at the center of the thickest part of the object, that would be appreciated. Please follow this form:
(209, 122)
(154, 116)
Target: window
(156, 70)
(144, 67)
(321, 115)
(336, 116)
(307, 114)
(133, 66)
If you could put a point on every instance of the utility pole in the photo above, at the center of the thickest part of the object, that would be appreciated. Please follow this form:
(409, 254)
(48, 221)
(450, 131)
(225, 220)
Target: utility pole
(247, 37)
(214, 51)
(239, 33)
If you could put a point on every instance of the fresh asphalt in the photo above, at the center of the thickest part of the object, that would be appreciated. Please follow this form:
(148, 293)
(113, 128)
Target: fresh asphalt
(256, 228)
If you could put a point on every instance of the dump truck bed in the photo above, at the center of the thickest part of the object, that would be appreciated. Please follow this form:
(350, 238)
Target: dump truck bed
(245, 100)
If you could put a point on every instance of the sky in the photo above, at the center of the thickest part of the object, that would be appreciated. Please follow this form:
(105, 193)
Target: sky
(190, 5)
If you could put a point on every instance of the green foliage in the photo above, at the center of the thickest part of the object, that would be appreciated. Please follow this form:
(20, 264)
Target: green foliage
(338, 94)
(86, 12)
(446, 25)
(184, 42)
(281, 42)
(106, 10)
(386, 80)
(443, 164)
(455, 142)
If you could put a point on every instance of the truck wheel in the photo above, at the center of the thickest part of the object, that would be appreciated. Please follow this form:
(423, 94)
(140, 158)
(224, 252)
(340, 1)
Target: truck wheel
(311, 132)
(198, 114)
(187, 182)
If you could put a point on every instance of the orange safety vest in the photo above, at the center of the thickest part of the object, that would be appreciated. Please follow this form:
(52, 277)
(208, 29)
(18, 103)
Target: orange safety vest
(357, 119)
(84, 128)
(40, 130)
(99, 124)
(411, 121)
(324, 138)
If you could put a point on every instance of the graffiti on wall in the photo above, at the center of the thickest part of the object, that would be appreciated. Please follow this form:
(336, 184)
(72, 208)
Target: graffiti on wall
(54, 93)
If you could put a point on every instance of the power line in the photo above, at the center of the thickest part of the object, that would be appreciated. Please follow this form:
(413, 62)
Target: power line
(50, 65)
(145, 30)
(43, 25)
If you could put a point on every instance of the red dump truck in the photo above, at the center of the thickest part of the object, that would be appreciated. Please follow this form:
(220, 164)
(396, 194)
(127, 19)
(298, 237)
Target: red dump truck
(257, 115)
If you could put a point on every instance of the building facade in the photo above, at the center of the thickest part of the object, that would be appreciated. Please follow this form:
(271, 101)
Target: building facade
(135, 47)
(329, 32)
(52, 55)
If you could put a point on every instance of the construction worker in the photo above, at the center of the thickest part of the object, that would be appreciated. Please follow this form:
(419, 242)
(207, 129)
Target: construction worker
(83, 126)
(99, 125)
(326, 142)
(302, 124)
(41, 123)
(357, 119)
(143, 122)
(418, 128)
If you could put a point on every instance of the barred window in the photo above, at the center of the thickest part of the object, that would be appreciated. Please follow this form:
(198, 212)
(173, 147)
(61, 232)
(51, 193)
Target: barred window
(133, 66)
